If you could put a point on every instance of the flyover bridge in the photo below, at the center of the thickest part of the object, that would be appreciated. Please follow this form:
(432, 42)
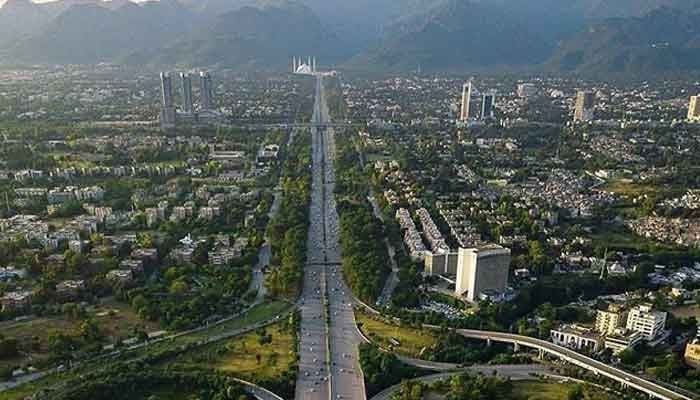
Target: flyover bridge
(625, 378)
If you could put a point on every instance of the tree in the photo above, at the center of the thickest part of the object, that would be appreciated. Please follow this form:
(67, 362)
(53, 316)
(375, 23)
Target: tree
(575, 393)
(179, 287)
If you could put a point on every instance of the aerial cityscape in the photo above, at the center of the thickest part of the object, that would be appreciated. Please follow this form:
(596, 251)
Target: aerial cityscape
(316, 200)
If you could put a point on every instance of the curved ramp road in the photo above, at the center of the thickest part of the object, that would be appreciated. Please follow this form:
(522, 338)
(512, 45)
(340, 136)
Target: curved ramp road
(580, 360)
(514, 372)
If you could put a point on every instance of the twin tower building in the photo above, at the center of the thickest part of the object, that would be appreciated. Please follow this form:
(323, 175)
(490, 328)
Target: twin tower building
(170, 115)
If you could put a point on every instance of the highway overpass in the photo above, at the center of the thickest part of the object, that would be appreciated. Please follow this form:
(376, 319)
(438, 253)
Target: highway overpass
(578, 359)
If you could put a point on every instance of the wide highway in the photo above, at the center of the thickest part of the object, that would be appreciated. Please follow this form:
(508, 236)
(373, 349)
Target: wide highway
(328, 365)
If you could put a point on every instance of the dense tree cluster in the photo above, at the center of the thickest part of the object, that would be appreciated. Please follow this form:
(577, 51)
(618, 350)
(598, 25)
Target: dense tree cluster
(134, 381)
(382, 369)
(187, 295)
(365, 260)
(288, 231)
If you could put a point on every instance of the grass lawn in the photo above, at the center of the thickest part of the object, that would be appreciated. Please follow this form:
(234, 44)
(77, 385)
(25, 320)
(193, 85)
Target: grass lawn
(26, 390)
(686, 311)
(411, 340)
(536, 390)
(247, 356)
(628, 188)
(616, 237)
(259, 313)
(167, 393)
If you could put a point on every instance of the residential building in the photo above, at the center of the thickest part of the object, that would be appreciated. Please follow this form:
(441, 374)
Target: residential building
(482, 269)
(441, 263)
(645, 320)
(608, 321)
(69, 289)
(16, 301)
(120, 276)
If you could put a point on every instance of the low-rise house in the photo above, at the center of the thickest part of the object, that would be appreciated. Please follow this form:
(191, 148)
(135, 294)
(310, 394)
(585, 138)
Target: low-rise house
(16, 301)
(121, 276)
(69, 289)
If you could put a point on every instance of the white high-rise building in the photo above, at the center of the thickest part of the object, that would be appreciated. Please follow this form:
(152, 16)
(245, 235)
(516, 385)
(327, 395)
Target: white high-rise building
(694, 109)
(466, 101)
(648, 322)
(481, 270)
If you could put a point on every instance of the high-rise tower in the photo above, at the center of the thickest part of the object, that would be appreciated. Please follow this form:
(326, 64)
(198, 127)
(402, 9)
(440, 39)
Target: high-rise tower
(694, 109)
(466, 101)
(167, 113)
(207, 89)
(187, 93)
(585, 103)
(487, 102)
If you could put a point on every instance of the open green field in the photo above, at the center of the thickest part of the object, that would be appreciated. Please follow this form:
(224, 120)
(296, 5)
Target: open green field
(412, 341)
(117, 321)
(627, 188)
(254, 356)
(259, 313)
(537, 390)
(615, 237)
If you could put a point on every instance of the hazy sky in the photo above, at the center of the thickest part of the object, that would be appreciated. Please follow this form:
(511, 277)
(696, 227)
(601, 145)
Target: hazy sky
(2, 2)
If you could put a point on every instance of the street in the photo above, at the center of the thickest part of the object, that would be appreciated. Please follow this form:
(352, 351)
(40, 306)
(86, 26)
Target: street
(328, 365)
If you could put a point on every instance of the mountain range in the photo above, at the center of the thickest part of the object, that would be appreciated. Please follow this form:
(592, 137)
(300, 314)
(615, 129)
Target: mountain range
(581, 36)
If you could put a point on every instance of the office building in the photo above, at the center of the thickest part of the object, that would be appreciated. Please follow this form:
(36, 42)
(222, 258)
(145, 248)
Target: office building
(608, 321)
(167, 113)
(187, 93)
(480, 270)
(487, 103)
(207, 91)
(585, 103)
(646, 321)
(466, 101)
(694, 109)
(526, 90)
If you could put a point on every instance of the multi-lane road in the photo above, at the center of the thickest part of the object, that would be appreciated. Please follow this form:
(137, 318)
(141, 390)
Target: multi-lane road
(328, 363)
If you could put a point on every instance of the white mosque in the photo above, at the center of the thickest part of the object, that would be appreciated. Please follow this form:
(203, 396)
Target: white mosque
(304, 68)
